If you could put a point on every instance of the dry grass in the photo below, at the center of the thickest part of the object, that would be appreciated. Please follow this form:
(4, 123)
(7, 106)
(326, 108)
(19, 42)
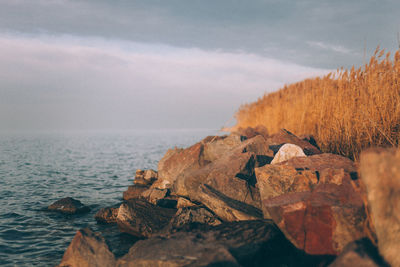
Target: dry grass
(346, 111)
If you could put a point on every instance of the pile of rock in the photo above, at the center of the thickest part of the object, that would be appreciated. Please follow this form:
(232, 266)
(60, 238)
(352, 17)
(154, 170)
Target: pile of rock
(247, 199)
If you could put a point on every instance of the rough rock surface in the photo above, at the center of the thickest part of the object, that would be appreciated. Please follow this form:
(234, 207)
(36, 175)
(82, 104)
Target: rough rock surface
(134, 191)
(87, 249)
(145, 177)
(68, 205)
(360, 253)
(380, 172)
(251, 132)
(286, 152)
(153, 195)
(314, 201)
(246, 243)
(107, 215)
(191, 218)
(285, 137)
(141, 218)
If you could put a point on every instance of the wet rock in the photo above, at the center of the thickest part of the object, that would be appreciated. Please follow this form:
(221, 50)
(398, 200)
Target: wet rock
(134, 191)
(107, 215)
(286, 152)
(246, 243)
(87, 249)
(68, 205)
(360, 253)
(141, 218)
(285, 137)
(380, 172)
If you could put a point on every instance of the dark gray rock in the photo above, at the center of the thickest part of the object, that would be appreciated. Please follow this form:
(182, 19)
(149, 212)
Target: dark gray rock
(68, 205)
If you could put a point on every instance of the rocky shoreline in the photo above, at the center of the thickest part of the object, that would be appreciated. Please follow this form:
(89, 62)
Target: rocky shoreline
(254, 199)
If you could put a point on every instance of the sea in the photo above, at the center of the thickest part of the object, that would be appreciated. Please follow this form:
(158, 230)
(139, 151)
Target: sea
(37, 169)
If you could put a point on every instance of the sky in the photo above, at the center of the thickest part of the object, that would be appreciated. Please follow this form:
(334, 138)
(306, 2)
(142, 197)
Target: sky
(160, 64)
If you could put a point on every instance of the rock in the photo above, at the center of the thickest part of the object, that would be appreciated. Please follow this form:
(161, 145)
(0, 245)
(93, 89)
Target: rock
(141, 218)
(315, 201)
(250, 132)
(226, 208)
(106, 215)
(175, 161)
(169, 202)
(145, 177)
(323, 161)
(217, 148)
(246, 243)
(134, 191)
(153, 195)
(190, 218)
(184, 203)
(380, 172)
(87, 249)
(360, 253)
(285, 137)
(68, 205)
(286, 152)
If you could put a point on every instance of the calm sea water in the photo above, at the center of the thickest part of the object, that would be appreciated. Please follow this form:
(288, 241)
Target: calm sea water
(38, 169)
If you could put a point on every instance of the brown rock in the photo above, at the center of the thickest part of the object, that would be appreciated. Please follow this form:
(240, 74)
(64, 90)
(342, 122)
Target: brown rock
(134, 191)
(245, 243)
(141, 218)
(217, 148)
(380, 172)
(226, 208)
(175, 162)
(87, 249)
(360, 253)
(184, 203)
(250, 132)
(107, 215)
(68, 205)
(153, 195)
(191, 218)
(285, 137)
(145, 177)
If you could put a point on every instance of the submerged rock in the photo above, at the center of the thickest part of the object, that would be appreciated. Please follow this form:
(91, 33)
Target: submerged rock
(68, 205)
(87, 249)
(380, 172)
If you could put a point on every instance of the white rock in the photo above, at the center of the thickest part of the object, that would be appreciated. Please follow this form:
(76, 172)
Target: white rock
(286, 152)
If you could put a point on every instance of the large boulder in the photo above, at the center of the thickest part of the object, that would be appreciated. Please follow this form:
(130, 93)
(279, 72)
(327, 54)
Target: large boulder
(246, 243)
(87, 249)
(286, 152)
(68, 205)
(141, 218)
(360, 253)
(285, 137)
(380, 172)
(175, 161)
(315, 201)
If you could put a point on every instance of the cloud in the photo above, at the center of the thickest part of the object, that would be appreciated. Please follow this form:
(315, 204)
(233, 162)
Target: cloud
(69, 82)
(335, 48)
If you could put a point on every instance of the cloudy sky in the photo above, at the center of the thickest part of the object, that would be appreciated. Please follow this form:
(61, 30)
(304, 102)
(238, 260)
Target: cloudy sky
(100, 65)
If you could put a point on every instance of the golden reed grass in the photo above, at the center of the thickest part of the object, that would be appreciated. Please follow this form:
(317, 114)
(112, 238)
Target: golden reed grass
(346, 111)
